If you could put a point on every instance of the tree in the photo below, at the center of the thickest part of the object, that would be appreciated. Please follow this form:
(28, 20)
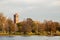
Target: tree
(2, 22)
(11, 26)
(26, 27)
(19, 26)
(35, 27)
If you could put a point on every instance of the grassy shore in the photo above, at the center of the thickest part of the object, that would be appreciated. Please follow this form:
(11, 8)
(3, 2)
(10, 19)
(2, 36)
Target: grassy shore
(30, 34)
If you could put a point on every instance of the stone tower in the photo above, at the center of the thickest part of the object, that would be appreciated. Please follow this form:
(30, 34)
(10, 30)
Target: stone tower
(16, 16)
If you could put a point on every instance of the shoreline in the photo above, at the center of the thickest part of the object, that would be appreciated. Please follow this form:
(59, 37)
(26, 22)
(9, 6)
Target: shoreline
(26, 35)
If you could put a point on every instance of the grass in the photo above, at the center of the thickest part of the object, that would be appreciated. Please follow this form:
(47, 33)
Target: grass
(29, 34)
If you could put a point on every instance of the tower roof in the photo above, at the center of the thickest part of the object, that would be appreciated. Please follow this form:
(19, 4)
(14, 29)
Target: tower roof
(16, 14)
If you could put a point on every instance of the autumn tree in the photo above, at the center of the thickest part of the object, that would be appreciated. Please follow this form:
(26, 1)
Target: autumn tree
(57, 25)
(19, 26)
(2, 22)
(10, 26)
(26, 27)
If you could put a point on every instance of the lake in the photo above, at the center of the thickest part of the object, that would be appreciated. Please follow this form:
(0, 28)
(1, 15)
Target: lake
(29, 38)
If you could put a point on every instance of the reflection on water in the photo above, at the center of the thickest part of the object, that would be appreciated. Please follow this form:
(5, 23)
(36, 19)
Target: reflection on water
(29, 38)
(6, 38)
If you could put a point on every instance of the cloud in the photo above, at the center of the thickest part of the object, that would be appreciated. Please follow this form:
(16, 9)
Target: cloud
(39, 8)
(54, 4)
(20, 1)
(47, 3)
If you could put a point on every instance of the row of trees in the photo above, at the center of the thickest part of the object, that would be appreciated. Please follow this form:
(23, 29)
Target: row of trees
(41, 28)
(6, 24)
(28, 26)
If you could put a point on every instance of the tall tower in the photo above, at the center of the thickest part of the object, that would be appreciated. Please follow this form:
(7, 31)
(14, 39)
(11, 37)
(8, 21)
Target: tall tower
(16, 16)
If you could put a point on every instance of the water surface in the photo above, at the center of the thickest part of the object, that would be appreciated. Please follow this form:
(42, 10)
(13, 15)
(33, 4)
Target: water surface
(29, 38)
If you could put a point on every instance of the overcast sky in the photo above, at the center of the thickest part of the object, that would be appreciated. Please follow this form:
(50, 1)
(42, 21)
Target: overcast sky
(35, 9)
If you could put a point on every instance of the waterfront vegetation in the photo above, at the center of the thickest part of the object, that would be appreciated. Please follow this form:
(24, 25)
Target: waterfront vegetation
(28, 27)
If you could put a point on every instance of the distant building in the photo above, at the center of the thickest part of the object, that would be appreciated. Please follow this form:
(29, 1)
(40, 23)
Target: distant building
(16, 16)
(16, 20)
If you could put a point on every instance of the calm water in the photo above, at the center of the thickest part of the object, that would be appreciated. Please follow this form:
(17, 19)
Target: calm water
(29, 38)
